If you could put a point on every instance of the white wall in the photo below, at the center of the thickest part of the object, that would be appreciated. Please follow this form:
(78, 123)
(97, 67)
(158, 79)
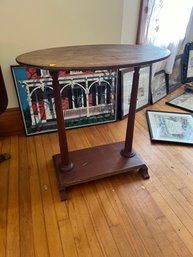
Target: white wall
(32, 25)
(130, 21)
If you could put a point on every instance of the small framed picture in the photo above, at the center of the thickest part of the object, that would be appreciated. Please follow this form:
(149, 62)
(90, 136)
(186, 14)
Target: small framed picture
(126, 86)
(187, 63)
(183, 101)
(87, 98)
(174, 79)
(170, 127)
(158, 86)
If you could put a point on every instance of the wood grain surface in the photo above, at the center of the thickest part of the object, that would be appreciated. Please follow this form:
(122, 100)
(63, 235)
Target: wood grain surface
(93, 57)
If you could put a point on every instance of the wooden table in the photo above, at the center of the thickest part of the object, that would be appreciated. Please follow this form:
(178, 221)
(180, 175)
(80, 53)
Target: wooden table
(98, 162)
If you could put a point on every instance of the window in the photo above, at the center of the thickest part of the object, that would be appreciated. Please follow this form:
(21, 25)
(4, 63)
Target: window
(164, 23)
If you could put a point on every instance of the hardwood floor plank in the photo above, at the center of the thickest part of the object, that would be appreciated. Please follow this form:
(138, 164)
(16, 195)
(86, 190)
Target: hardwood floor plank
(84, 217)
(157, 222)
(115, 223)
(176, 215)
(106, 206)
(51, 225)
(12, 244)
(132, 235)
(25, 209)
(4, 182)
(51, 147)
(121, 241)
(79, 233)
(67, 238)
(123, 185)
(185, 243)
(77, 139)
(99, 222)
(38, 219)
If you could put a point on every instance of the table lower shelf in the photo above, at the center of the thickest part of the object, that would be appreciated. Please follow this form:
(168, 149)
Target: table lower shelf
(96, 163)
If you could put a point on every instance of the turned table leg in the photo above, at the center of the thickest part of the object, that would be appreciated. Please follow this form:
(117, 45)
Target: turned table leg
(66, 164)
(128, 151)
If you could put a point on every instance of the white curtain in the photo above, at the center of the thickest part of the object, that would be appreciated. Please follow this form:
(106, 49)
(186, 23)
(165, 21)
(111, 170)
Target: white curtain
(167, 26)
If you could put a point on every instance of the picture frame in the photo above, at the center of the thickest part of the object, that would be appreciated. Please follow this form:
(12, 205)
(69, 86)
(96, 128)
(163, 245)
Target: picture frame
(159, 87)
(143, 98)
(183, 101)
(88, 98)
(187, 63)
(170, 127)
(175, 78)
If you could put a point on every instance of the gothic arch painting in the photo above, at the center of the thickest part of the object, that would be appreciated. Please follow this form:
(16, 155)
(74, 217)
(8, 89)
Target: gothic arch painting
(87, 98)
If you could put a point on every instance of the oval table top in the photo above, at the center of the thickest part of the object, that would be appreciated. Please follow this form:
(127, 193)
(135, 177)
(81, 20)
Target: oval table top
(91, 57)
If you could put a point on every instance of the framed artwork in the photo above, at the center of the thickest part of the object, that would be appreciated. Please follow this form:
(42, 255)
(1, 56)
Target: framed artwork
(183, 101)
(88, 98)
(174, 79)
(126, 78)
(158, 86)
(187, 63)
(171, 127)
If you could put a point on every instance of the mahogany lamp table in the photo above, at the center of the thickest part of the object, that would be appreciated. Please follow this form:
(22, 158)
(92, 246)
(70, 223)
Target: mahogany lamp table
(89, 164)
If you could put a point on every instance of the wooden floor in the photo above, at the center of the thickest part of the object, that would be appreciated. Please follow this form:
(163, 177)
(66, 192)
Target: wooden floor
(119, 216)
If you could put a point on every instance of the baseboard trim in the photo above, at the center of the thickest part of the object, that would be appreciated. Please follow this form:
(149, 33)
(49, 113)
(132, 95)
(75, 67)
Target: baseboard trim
(11, 123)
